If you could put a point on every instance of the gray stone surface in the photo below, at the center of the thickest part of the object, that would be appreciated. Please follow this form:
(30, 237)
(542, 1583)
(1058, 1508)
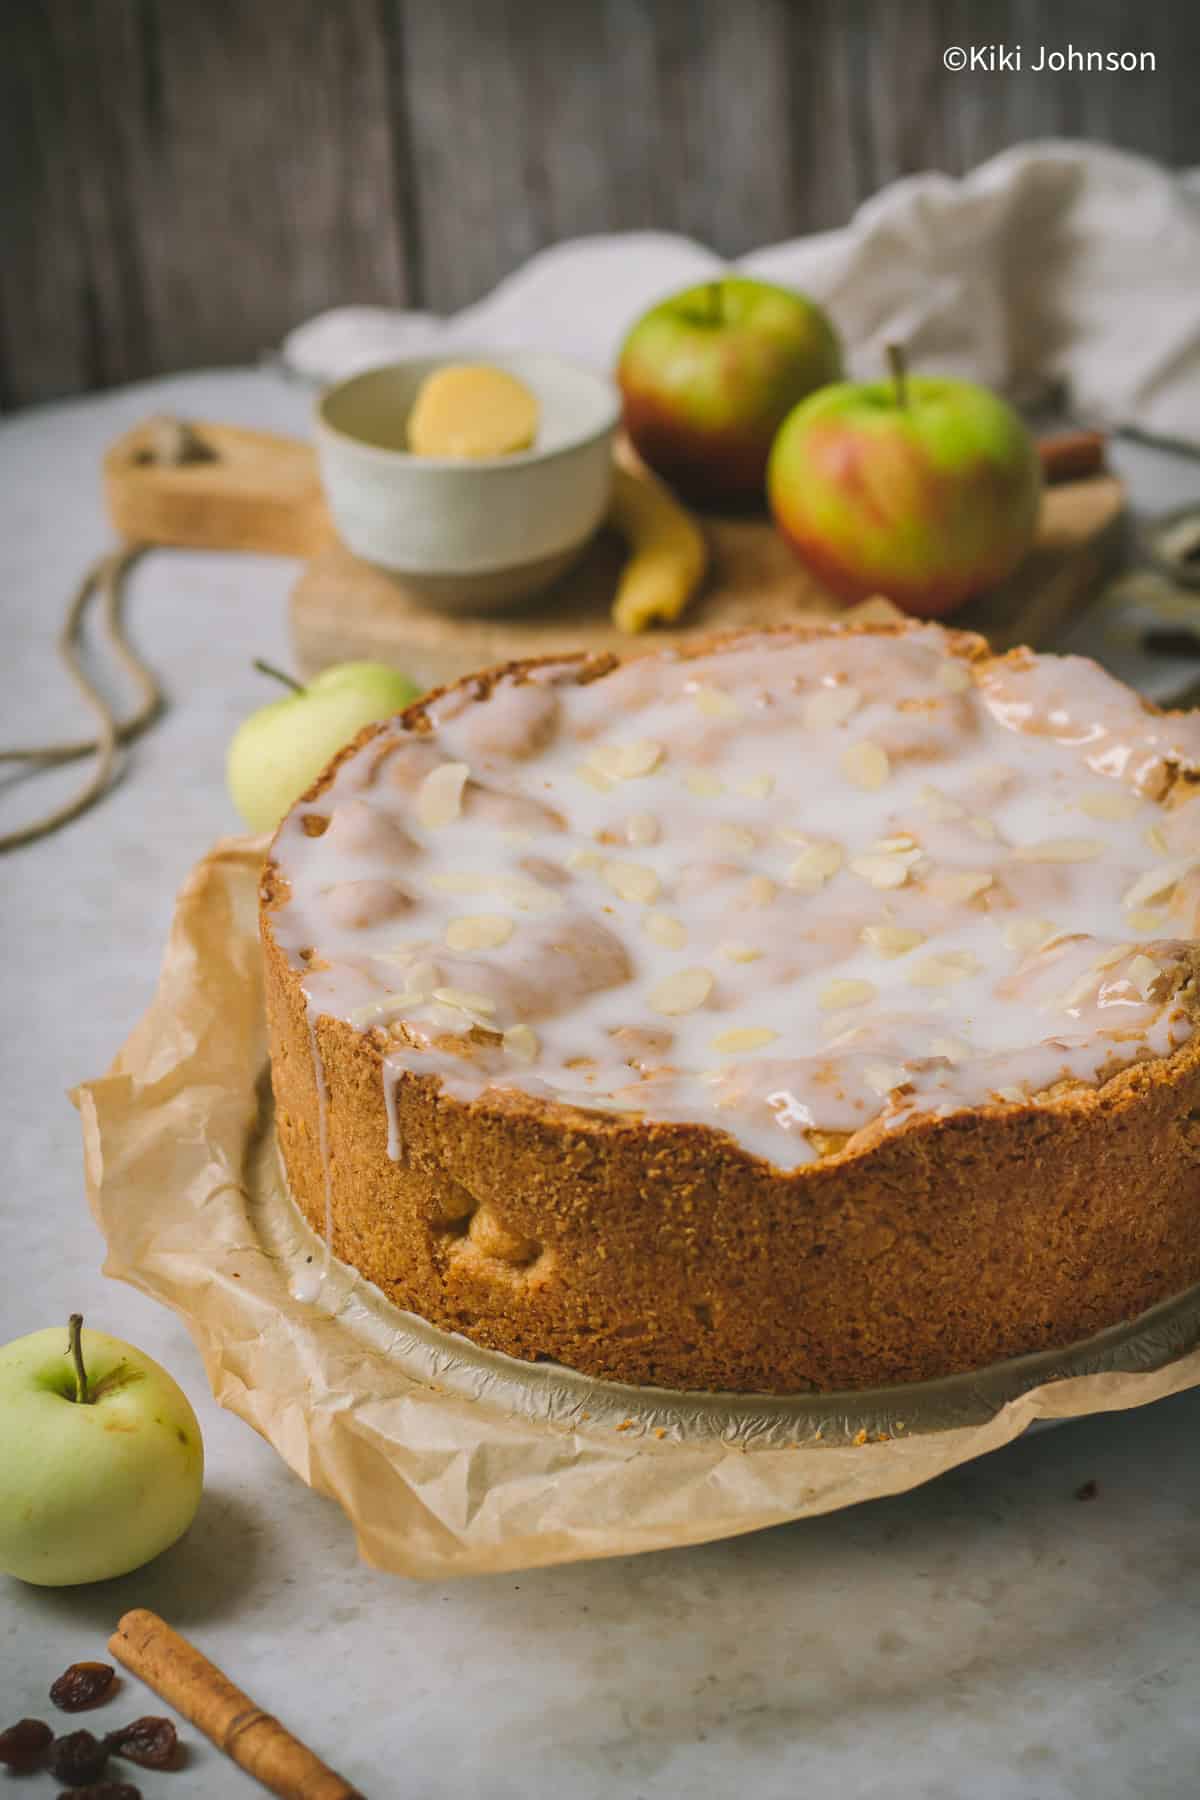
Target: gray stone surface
(990, 1635)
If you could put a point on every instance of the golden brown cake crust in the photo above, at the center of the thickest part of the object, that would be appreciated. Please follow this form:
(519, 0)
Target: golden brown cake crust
(665, 1253)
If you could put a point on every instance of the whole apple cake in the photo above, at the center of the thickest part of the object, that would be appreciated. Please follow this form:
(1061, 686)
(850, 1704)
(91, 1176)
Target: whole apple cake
(796, 1011)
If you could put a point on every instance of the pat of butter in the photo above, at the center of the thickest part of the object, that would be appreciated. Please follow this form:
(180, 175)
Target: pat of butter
(469, 409)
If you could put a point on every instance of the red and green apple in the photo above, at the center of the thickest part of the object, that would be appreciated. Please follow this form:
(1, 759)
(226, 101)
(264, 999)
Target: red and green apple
(920, 488)
(708, 375)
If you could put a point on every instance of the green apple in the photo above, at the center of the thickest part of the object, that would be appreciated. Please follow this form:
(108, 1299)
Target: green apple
(920, 488)
(101, 1462)
(280, 750)
(708, 376)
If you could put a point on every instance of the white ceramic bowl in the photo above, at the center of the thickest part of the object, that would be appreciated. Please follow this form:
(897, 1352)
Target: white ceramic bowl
(468, 533)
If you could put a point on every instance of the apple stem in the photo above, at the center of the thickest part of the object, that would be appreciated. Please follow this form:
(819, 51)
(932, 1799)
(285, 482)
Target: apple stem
(75, 1346)
(898, 364)
(266, 668)
(716, 312)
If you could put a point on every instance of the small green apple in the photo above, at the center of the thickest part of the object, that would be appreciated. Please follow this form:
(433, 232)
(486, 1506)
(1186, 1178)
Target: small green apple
(101, 1462)
(708, 375)
(921, 488)
(280, 750)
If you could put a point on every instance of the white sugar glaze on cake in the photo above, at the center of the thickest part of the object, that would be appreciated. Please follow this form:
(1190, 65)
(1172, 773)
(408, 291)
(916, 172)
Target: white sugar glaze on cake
(784, 889)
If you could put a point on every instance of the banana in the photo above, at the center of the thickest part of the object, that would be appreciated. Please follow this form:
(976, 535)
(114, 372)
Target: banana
(667, 552)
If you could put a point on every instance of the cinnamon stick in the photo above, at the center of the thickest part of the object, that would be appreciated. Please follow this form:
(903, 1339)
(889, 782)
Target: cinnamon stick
(1071, 455)
(258, 1743)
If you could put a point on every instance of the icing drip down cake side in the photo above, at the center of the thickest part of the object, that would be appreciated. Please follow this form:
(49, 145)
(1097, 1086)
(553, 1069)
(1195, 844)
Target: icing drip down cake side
(800, 1010)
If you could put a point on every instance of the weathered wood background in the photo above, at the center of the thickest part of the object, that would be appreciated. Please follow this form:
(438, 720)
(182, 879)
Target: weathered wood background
(185, 179)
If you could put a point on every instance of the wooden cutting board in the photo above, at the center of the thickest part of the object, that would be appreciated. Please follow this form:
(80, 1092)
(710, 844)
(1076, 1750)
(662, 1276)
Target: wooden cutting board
(216, 486)
(342, 609)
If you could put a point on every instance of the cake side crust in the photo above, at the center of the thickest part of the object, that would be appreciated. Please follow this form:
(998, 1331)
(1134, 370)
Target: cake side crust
(663, 1253)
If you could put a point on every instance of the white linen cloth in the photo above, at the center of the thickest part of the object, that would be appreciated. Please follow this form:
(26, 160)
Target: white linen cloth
(1055, 268)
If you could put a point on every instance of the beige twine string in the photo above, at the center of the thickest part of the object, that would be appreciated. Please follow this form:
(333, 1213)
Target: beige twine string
(107, 577)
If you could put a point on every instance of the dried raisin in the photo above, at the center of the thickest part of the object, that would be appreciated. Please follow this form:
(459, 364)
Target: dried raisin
(84, 1684)
(24, 1745)
(78, 1758)
(149, 1742)
(103, 1790)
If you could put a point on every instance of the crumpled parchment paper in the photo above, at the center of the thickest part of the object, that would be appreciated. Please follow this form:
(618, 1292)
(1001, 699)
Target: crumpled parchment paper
(447, 1459)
